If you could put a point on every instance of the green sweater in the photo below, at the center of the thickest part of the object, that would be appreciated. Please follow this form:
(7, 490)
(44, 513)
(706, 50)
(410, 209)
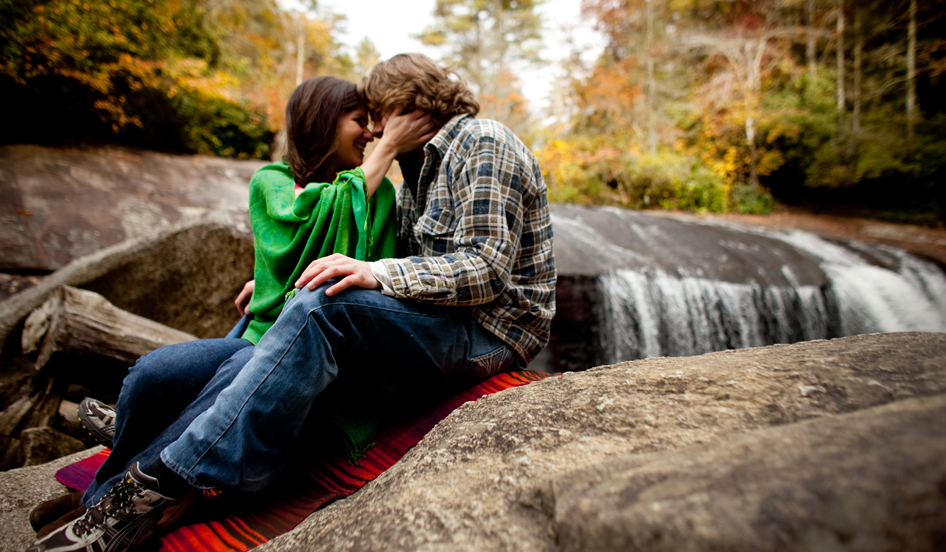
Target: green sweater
(290, 232)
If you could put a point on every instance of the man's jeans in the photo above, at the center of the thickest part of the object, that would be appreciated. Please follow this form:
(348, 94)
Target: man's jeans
(243, 440)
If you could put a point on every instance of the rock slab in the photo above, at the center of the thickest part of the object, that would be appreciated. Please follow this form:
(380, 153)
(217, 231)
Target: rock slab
(57, 205)
(823, 445)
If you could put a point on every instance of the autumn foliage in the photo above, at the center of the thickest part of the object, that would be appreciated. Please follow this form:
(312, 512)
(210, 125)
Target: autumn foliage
(712, 105)
(177, 75)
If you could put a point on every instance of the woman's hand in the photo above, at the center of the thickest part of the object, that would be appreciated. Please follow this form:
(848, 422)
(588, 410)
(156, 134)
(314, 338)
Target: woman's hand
(354, 272)
(407, 132)
(242, 301)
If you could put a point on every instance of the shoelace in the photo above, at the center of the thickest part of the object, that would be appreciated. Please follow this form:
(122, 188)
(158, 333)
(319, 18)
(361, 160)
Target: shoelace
(118, 500)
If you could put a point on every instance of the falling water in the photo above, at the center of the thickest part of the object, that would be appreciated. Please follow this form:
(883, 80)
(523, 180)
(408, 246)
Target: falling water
(657, 314)
(654, 313)
(685, 289)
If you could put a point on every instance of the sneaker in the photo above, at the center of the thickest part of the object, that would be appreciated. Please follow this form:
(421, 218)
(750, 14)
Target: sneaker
(98, 419)
(129, 514)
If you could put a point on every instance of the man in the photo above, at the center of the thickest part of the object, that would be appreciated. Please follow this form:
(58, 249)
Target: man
(473, 295)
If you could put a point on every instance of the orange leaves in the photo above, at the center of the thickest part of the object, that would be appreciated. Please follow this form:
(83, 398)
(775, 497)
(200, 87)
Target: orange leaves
(610, 94)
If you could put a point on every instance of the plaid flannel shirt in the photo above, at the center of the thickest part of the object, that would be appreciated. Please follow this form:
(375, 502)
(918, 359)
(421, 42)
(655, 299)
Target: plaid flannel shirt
(478, 233)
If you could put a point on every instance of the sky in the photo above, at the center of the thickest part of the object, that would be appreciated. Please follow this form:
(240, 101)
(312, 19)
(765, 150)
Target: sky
(390, 26)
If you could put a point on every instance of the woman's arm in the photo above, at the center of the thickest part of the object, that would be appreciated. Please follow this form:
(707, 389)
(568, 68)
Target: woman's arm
(402, 133)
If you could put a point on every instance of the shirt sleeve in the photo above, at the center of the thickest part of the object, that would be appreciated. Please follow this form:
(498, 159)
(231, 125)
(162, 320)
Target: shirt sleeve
(470, 226)
(381, 274)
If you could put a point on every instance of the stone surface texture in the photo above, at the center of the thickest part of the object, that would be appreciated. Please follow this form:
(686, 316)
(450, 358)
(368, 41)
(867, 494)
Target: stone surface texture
(24, 488)
(57, 205)
(185, 278)
(823, 445)
(42, 444)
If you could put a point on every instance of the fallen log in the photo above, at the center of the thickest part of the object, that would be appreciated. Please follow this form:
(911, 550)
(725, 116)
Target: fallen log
(77, 321)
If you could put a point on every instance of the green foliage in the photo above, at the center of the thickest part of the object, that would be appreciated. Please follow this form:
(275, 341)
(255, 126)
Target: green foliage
(738, 87)
(218, 127)
(587, 171)
(750, 200)
(194, 76)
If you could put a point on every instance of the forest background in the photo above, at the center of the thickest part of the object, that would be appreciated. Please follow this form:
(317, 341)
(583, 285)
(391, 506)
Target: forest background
(698, 105)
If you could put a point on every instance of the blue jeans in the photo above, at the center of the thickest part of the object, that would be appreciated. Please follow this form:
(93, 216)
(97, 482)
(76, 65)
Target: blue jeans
(163, 392)
(243, 440)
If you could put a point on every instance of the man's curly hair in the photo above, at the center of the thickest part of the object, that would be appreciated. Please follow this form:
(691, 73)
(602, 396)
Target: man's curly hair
(414, 81)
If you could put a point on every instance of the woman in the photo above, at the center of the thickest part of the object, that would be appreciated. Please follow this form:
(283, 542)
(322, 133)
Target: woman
(323, 198)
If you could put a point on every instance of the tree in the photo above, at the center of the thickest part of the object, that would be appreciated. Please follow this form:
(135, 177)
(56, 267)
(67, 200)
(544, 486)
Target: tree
(744, 46)
(366, 57)
(203, 76)
(483, 40)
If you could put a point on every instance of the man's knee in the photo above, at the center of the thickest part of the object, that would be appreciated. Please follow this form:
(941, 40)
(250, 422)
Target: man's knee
(317, 299)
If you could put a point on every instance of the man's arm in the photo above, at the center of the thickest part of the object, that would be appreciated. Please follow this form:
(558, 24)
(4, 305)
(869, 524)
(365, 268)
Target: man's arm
(470, 229)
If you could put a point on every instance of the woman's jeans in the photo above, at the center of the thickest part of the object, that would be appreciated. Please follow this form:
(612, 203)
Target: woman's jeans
(239, 429)
(163, 392)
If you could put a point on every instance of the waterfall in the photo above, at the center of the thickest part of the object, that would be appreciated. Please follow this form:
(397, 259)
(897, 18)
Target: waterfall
(879, 288)
(652, 312)
(637, 285)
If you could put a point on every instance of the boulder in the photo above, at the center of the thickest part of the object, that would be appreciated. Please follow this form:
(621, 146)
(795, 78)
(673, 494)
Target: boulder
(42, 444)
(185, 278)
(871, 480)
(823, 445)
(57, 205)
(21, 490)
(587, 461)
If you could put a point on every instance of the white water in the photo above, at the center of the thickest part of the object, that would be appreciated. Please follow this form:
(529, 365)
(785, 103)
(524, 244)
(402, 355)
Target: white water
(650, 312)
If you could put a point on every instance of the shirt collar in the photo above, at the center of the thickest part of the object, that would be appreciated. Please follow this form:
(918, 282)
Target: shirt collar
(442, 140)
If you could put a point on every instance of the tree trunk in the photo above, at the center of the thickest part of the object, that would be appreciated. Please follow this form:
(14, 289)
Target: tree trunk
(82, 322)
(651, 84)
(841, 98)
(300, 52)
(810, 50)
(858, 60)
(911, 72)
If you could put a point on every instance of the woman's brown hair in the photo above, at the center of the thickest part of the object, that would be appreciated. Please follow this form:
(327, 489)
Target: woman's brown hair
(416, 82)
(311, 121)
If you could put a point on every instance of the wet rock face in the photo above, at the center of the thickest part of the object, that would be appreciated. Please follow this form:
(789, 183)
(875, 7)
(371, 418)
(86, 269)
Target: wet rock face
(592, 241)
(817, 445)
(58, 205)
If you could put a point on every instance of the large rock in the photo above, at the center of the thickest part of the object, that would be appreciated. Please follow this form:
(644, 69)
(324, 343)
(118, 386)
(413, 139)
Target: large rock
(522, 470)
(871, 480)
(186, 277)
(21, 490)
(42, 444)
(826, 445)
(57, 205)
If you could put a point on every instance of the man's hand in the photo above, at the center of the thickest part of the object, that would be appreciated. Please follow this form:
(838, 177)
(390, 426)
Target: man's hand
(242, 301)
(354, 272)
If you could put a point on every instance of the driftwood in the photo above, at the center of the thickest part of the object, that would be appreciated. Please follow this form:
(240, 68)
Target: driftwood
(77, 321)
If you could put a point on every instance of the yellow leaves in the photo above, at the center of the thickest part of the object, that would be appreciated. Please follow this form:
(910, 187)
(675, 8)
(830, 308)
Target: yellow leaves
(193, 74)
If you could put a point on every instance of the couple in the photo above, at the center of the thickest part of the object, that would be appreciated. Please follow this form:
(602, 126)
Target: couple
(470, 294)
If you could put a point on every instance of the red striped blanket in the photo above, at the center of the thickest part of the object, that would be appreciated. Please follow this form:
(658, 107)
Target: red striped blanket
(226, 521)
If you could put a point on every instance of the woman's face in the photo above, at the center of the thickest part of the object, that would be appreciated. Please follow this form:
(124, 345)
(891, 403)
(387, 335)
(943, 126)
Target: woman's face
(352, 135)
